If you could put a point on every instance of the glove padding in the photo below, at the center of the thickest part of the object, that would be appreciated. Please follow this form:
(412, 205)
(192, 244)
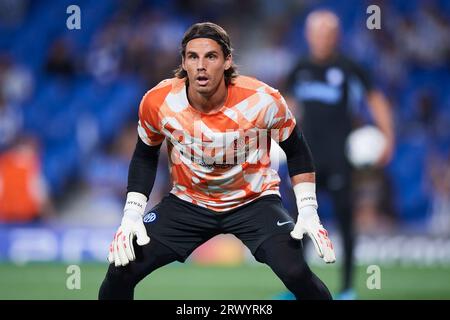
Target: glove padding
(121, 250)
(308, 222)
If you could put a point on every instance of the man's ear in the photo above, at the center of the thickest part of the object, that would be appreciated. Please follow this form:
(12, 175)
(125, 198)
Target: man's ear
(228, 61)
(182, 64)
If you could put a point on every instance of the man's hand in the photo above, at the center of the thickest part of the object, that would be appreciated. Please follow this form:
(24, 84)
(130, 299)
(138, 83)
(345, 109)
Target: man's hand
(121, 250)
(308, 222)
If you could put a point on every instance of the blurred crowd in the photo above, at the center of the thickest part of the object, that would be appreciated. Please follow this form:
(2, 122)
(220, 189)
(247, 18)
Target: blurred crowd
(136, 44)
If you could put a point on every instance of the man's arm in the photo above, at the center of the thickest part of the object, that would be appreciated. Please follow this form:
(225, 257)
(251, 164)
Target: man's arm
(382, 115)
(301, 171)
(141, 177)
(380, 110)
(303, 177)
(143, 166)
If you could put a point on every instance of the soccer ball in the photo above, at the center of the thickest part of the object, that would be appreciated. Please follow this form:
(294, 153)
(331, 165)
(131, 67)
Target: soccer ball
(365, 146)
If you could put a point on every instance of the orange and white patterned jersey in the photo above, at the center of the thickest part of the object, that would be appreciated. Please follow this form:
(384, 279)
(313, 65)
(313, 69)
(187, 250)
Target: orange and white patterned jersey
(218, 160)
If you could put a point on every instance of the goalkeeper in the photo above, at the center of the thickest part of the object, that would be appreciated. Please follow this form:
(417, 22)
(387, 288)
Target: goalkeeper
(217, 126)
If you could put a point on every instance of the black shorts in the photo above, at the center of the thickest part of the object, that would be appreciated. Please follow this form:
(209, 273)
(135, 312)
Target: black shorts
(183, 226)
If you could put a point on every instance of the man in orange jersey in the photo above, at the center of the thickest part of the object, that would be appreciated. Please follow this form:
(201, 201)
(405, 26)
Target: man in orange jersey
(218, 126)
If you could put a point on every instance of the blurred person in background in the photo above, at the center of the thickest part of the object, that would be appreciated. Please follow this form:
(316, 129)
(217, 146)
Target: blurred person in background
(23, 191)
(16, 82)
(60, 60)
(322, 84)
(373, 205)
(104, 55)
(439, 176)
(235, 193)
(11, 122)
(423, 39)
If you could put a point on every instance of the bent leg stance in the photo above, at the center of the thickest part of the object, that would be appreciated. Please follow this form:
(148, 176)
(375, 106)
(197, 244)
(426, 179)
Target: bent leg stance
(119, 282)
(284, 256)
(176, 228)
(264, 226)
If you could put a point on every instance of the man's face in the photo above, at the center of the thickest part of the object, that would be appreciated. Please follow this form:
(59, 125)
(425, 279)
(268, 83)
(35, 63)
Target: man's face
(205, 65)
(322, 33)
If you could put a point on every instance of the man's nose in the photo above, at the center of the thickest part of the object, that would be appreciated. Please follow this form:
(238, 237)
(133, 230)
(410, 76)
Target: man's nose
(201, 64)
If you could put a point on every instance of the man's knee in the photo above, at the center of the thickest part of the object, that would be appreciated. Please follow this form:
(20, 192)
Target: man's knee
(118, 284)
(295, 273)
(148, 259)
(121, 276)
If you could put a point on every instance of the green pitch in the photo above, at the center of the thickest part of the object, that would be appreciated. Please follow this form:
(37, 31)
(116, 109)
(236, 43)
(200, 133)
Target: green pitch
(188, 281)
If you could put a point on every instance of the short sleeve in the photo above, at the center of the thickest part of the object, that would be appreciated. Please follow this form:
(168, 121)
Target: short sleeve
(149, 124)
(361, 75)
(281, 122)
